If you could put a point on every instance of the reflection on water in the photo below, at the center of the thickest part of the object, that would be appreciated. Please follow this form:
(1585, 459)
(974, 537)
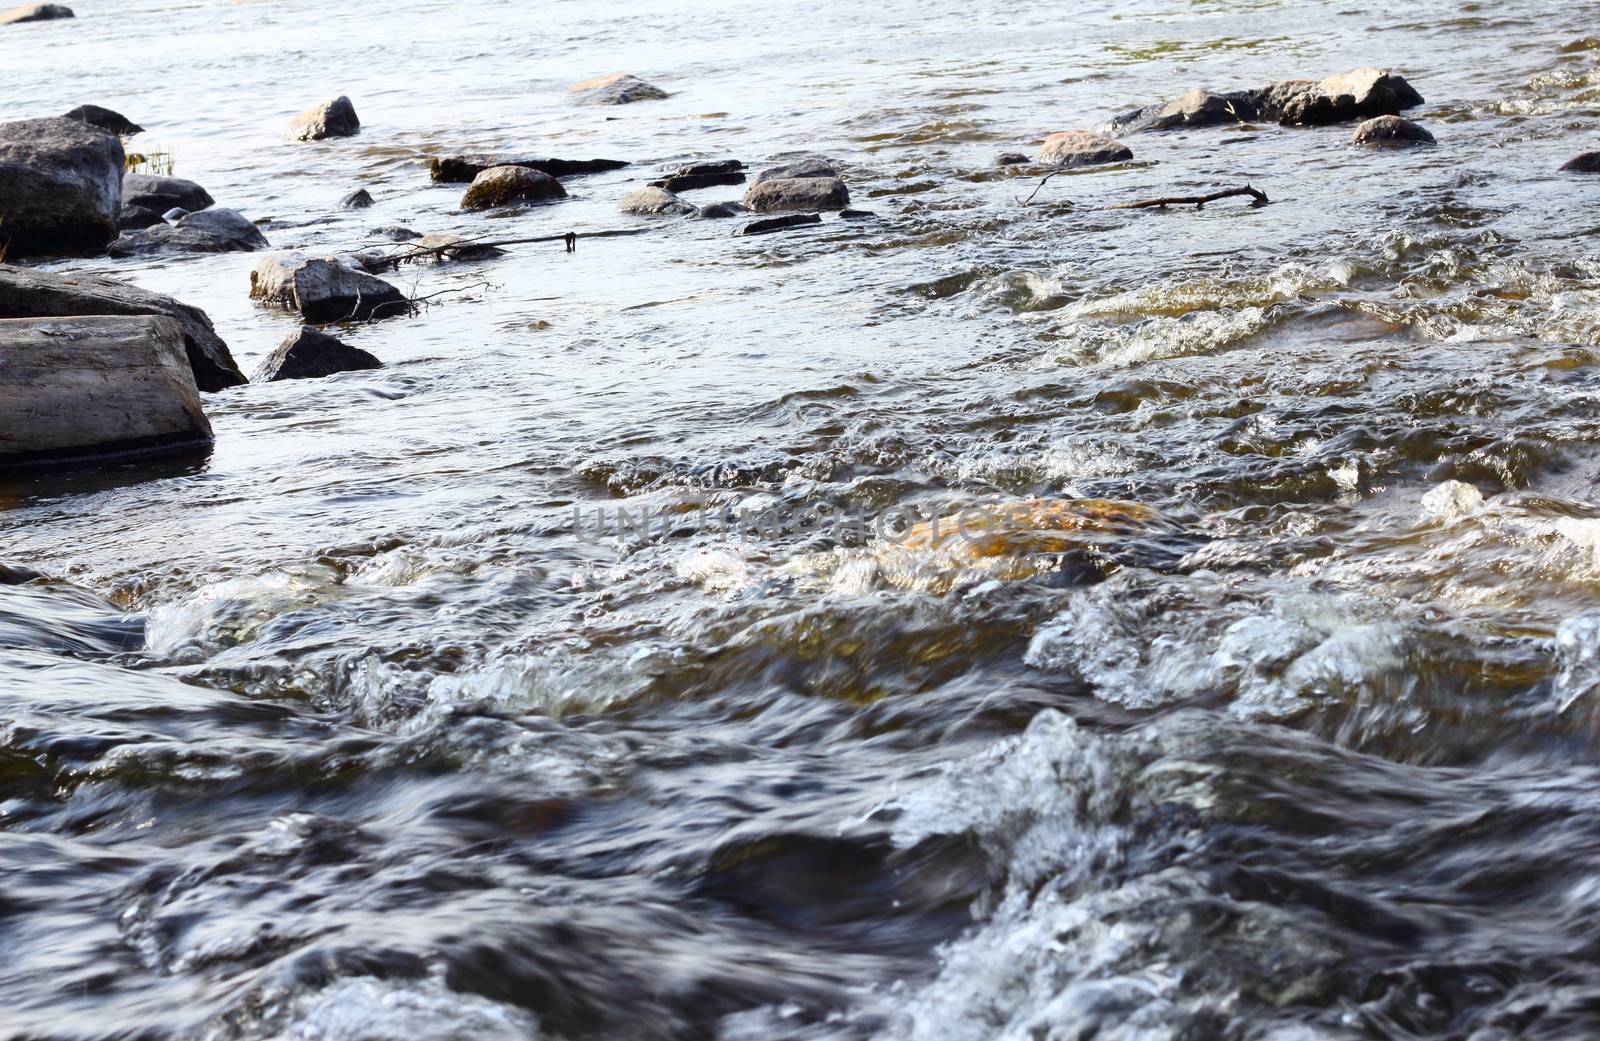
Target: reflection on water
(1271, 715)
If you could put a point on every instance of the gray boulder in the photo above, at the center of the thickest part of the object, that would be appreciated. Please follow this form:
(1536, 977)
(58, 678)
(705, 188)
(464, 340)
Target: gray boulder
(216, 230)
(718, 210)
(1391, 132)
(163, 193)
(689, 182)
(31, 293)
(105, 119)
(1011, 159)
(60, 187)
(134, 217)
(34, 13)
(800, 168)
(310, 354)
(462, 169)
(1587, 163)
(336, 118)
(1359, 94)
(798, 193)
(506, 185)
(360, 199)
(85, 389)
(1197, 108)
(651, 200)
(324, 289)
(619, 88)
(1073, 148)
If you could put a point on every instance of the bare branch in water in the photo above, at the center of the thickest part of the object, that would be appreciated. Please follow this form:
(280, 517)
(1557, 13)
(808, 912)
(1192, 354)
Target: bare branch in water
(1198, 201)
(411, 254)
(1036, 187)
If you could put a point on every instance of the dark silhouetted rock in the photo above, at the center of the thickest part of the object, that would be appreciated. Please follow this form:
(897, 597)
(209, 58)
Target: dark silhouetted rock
(461, 169)
(30, 293)
(1074, 148)
(325, 289)
(60, 187)
(505, 185)
(857, 215)
(1391, 132)
(34, 13)
(1588, 162)
(1359, 94)
(105, 119)
(163, 193)
(801, 168)
(359, 199)
(718, 210)
(217, 230)
(793, 220)
(619, 88)
(709, 166)
(1011, 159)
(798, 193)
(336, 118)
(395, 233)
(653, 200)
(84, 389)
(133, 218)
(310, 354)
(1198, 108)
(689, 182)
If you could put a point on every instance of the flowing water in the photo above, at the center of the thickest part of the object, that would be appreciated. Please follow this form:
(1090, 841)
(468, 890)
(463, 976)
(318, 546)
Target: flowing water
(352, 730)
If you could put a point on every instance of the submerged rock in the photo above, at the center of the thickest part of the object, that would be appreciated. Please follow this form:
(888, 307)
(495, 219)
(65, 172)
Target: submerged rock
(799, 168)
(709, 166)
(793, 220)
(30, 293)
(1074, 148)
(90, 388)
(797, 193)
(134, 217)
(1011, 159)
(619, 88)
(505, 185)
(461, 169)
(60, 187)
(1392, 132)
(216, 230)
(440, 248)
(1359, 94)
(1588, 162)
(689, 182)
(718, 210)
(653, 200)
(325, 289)
(34, 13)
(311, 354)
(396, 233)
(163, 193)
(359, 199)
(105, 119)
(336, 118)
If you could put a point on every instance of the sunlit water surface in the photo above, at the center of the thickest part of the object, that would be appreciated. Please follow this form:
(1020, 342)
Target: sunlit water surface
(344, 733)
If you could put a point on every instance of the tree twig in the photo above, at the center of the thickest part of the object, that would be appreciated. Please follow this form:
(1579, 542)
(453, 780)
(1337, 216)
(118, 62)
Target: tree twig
(1198, 201)
(1036, 187)
(414, 253)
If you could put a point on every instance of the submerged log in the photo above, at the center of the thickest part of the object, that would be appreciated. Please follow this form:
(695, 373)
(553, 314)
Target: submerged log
(93, 388)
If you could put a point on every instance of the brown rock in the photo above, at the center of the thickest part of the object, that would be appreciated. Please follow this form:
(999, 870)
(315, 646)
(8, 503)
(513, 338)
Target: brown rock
(34, 13)
(1392, 132)
(505, 185)
(619, 88)
(798, 193)
(1074, 148)
(1588, 162)
(336, 118)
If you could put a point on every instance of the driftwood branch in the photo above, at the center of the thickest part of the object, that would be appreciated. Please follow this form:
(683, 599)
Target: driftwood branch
(1198, 201)
(1036, 187)
(410, 254)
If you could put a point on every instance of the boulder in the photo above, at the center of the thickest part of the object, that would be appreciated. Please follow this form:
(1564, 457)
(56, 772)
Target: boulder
(504, 185)
(310, 354)
(34, 13)
(718, 210)
(217, 230)
(324, 289)
(30, 293)
(619, 88)
(60, 187)
(792, 220)
(462, 169)
(359, 199)
(105, 119)
(797, 193)
(84, 389)
(336, 118)
(652, 200)
(1011, 159)
(709, 166)
(689, 182)
(1588, 162)
(801, 168)
(134, 217)
(1391, 132)
(163, 193)
(1074, 148)
(1359, 94)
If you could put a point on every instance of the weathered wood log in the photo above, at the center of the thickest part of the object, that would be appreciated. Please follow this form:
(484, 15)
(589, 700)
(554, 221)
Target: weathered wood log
(1197, 201)
(88, 389)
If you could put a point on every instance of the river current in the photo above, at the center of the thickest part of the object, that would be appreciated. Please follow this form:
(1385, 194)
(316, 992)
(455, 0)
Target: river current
(363, 727)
